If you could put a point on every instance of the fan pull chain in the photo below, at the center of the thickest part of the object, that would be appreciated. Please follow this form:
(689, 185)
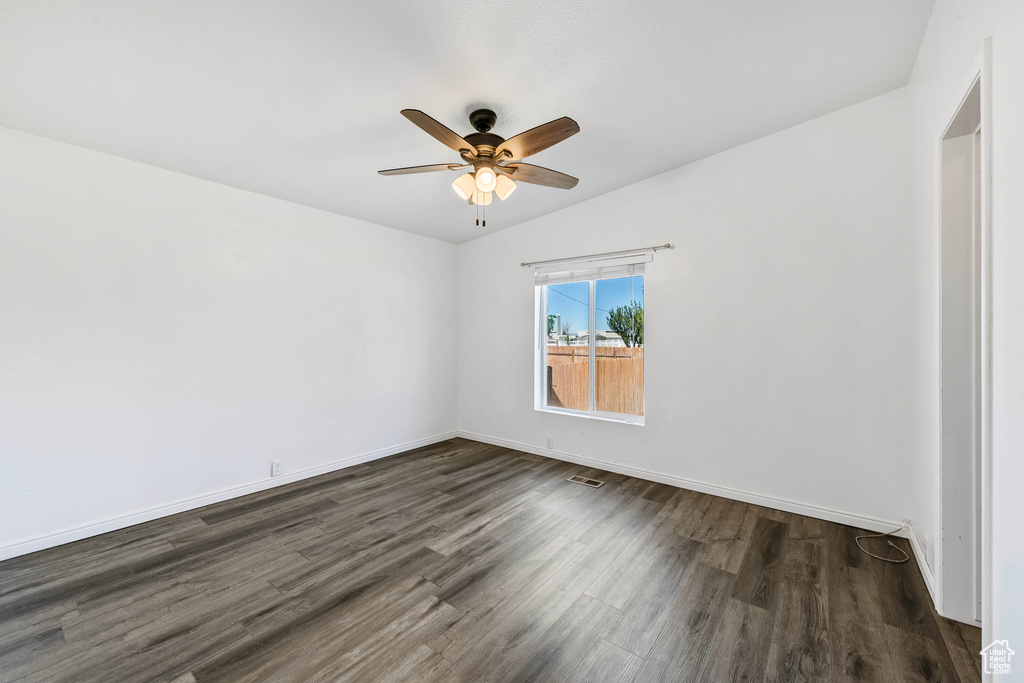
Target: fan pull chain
(484, 214)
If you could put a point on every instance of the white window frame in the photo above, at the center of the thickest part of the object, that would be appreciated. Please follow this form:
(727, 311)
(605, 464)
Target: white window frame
(540, 356)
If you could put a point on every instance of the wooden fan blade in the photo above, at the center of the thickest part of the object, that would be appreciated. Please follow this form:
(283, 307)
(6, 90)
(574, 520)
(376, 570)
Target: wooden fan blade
(538, 175)
(438, 130)
(423, 169)
(537, 139)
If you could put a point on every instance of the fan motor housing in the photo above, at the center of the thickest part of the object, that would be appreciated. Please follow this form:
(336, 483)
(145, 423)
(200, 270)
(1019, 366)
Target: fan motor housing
(482, 141)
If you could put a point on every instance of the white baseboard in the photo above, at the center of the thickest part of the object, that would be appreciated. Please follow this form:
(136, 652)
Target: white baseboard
(67, 536)
(839, 516)
(926, 570)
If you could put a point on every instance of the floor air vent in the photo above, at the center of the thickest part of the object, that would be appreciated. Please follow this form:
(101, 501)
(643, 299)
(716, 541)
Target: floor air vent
(593, 483)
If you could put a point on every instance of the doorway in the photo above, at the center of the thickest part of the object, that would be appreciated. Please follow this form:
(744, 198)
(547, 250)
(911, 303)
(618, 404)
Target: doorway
(964, 359)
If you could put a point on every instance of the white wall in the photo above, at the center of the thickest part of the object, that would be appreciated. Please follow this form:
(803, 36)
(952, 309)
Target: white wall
(1007, 610)
(954, 39)
(164, 338)
(777, 343)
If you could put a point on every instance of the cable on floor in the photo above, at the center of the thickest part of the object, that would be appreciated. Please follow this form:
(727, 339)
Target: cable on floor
(906, 557)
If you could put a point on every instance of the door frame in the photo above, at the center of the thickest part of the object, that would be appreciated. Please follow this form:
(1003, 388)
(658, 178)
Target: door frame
(979, 74)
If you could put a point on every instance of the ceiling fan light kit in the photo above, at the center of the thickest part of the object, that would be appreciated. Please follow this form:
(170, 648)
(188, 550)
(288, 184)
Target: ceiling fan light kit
(495, 160)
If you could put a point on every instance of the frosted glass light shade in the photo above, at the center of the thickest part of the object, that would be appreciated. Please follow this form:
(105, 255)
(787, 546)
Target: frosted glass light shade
(504, 187)
(485, 179)
(464, 186)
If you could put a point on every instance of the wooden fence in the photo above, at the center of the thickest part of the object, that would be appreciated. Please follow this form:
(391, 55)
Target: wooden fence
(617, 366)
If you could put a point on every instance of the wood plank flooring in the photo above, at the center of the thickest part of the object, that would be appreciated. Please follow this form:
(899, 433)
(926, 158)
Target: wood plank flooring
(467, 562)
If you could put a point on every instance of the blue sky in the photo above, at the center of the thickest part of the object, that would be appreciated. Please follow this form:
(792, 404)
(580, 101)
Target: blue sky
(570, 300)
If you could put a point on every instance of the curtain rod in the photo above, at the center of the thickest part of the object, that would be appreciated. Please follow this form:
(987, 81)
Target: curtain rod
(625, 252)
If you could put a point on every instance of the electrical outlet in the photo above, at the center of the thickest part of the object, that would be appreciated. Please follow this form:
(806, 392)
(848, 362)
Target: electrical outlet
(275, 468)
(549, 442)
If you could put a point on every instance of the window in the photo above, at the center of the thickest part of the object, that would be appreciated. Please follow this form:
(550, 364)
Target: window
(590, 351)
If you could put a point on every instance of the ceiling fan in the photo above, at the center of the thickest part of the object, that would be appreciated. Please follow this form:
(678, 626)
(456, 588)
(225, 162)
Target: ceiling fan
(496, 162)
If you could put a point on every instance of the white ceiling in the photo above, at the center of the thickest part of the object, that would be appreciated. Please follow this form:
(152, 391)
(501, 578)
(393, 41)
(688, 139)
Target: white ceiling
(300, 99)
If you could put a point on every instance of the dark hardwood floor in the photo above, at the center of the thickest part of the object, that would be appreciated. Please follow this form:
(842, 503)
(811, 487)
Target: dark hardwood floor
(468, 562)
